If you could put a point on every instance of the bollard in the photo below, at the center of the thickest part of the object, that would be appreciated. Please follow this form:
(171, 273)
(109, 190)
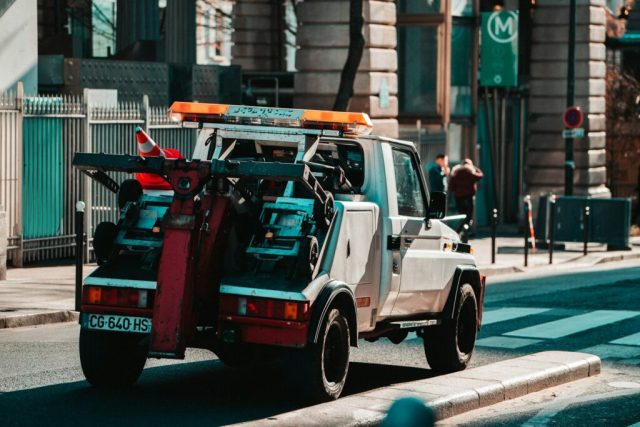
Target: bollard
(79, 251)
(494, 225)
(552, 226)
(585, 231)
(526, 232)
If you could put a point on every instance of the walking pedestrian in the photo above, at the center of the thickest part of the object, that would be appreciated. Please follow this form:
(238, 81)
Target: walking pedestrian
(438, 171)
(464, 185)
(635, 216)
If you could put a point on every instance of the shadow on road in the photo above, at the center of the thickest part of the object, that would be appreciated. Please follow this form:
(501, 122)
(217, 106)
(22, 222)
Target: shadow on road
(199, 393)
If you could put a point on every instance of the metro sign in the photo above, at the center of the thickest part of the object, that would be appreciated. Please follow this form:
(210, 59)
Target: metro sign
(499, 49)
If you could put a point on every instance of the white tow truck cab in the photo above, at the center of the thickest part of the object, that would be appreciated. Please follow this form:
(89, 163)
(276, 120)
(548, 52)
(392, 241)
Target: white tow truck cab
(348, 245)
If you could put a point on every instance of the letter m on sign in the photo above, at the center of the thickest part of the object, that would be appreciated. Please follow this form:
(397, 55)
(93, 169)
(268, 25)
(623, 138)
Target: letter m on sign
(502, 27)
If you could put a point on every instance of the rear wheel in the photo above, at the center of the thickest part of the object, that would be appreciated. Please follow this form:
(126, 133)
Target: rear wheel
(448, 347)
(320, 370)
(112, 359)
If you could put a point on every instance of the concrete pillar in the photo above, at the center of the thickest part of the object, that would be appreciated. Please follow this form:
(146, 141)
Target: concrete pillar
(323, 37)
(19, 45)
(180, 36)
(3, 244)
(546, 155)
(258, 37)
(137, 20)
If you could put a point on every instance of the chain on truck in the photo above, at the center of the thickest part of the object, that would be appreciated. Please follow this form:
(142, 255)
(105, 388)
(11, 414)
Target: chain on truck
(289, 235)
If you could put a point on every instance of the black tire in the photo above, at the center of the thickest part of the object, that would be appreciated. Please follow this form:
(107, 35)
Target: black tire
(112, 359)
(103, 240)
(449, 346)
(130, 191)
(320, 371)
(307, 258)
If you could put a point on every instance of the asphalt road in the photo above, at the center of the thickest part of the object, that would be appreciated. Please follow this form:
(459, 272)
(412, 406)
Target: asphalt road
(596, 310)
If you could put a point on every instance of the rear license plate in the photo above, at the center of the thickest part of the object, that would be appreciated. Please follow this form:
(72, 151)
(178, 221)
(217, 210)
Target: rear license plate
(111, 322)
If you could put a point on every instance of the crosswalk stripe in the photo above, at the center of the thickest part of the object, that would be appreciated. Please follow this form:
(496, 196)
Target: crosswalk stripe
(574, 324)
(509, 313)
(505, 342)
(633, 339)
(612, 351)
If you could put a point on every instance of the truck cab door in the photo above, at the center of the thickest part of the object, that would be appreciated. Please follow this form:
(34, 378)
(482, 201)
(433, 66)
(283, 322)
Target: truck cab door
(415, 243)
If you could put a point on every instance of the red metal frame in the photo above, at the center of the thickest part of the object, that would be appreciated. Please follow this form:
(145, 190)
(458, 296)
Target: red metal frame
(191, 232)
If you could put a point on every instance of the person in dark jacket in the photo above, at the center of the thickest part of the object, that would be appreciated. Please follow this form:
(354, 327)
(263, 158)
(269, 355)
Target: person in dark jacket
(464, 185)
(438, 170)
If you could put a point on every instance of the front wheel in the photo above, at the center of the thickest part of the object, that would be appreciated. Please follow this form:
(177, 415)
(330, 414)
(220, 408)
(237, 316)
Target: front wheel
(320, 370)
(112, 359)
(448, 347)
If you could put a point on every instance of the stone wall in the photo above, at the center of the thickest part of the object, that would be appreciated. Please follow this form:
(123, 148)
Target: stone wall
(323, 38)
(546, 148)
(258, 39)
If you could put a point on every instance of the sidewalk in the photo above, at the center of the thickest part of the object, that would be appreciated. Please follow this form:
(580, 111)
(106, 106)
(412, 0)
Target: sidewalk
(510, 255)
(40, 295)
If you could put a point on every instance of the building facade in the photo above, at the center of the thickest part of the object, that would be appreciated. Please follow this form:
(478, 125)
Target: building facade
(417, 79)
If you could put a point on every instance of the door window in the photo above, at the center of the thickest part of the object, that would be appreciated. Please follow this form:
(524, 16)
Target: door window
(408, 185)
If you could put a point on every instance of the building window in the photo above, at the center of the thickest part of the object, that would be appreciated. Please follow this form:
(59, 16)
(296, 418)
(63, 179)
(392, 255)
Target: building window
(423, 59)
(417, 57)
(103, 21)
(463, 68)
(437, 49)
(213, 33)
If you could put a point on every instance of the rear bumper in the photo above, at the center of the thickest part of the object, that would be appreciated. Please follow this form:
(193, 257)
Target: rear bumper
(251, 330)
(121, 311)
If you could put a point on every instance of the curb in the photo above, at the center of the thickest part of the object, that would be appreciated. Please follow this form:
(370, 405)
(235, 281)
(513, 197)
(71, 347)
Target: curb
(618, 257)
(497, 269)
(35, 319)
(500, 269)
(452, 394)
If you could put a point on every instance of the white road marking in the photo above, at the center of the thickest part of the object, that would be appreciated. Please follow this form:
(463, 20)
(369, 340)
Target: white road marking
(505, 342)
(574, 324)
(628, 340)
(509, 313)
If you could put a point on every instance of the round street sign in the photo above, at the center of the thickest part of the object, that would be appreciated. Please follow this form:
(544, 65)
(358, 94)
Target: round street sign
(572, 117)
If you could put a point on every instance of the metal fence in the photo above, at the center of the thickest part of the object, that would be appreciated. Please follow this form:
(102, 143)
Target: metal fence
(38, 185)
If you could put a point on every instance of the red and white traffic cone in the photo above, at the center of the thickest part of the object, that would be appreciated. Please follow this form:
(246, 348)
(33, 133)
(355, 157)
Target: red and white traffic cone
(147, 146)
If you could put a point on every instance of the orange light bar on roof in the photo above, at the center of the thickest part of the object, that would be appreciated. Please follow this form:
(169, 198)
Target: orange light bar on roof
(346, 122)
(197, 112)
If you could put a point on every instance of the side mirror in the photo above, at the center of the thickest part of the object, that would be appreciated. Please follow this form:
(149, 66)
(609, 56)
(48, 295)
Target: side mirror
(437, 205)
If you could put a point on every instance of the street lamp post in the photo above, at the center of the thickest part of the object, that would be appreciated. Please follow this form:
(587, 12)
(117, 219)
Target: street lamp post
(569, 165)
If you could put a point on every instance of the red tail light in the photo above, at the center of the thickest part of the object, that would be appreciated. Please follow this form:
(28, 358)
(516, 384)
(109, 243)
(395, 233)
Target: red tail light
(264, 307)
(117, 297)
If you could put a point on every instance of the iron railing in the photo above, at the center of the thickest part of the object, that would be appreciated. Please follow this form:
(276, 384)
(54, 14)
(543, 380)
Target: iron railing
(38, 186)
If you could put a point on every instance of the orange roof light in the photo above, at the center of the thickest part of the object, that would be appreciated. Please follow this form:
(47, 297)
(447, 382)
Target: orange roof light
(197, 112)
(351, 123)
(346, 122)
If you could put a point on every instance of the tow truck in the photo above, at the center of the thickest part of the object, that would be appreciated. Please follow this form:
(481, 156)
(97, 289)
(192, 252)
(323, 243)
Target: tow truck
(290, 234)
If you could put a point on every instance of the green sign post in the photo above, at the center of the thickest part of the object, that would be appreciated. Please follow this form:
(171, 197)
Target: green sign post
(499, 49)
